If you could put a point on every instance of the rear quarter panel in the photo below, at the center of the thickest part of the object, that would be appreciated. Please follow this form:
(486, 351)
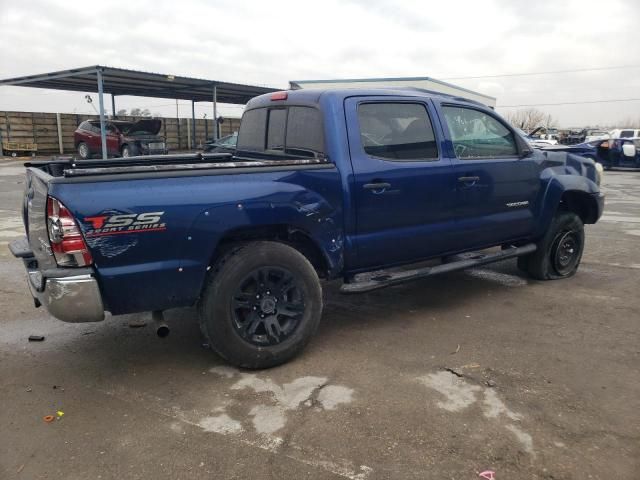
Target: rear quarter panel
(166, 267)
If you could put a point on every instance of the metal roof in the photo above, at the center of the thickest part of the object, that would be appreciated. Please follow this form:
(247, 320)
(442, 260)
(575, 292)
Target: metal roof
(427, 83)
(120, 81)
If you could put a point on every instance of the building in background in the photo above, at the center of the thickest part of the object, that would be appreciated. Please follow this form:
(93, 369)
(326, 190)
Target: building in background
(416, 82)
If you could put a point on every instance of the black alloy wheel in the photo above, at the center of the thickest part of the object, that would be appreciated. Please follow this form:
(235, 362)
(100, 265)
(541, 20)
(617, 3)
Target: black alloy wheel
(267, 306)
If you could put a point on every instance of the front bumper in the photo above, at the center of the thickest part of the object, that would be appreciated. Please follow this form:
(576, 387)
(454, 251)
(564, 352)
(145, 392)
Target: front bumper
(599, 198)
(70, 295)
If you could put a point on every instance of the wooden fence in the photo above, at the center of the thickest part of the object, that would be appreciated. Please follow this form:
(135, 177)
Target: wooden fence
(53, 132)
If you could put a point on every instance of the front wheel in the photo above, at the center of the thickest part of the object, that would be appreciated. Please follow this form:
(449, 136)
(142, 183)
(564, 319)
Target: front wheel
(559, 251)
(261, 305)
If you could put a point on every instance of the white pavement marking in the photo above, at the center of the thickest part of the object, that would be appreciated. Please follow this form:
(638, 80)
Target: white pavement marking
(222, 423)
(523, 437)
(11, 225)
(501, 278)
(223, 371)
(333, 395)
(289, 396)
(494, 407)
(460, 395)
(619, 219)
(268, 419)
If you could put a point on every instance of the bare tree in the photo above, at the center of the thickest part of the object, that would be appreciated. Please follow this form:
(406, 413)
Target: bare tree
(138, 112)
(529, 118)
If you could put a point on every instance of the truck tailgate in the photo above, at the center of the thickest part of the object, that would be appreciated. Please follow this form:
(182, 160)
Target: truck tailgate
(35, 217)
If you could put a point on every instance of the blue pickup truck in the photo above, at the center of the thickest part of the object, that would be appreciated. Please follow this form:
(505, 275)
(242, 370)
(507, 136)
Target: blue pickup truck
(356, 185)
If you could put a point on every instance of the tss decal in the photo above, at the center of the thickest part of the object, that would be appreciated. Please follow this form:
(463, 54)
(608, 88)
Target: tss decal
(125, 223)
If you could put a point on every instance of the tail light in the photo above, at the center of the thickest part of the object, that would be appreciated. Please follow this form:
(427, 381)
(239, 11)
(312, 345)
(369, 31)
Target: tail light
(279, 96)
(67, 242)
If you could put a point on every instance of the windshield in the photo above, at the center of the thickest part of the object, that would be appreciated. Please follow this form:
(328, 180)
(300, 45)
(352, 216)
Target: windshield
(229, 140)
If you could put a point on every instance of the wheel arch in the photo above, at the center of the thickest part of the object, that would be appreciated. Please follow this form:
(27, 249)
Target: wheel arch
(575, 193)
(290, 235)
(581, 203)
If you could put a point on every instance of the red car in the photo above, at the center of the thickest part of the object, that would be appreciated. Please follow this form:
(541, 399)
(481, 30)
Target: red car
(124, 138)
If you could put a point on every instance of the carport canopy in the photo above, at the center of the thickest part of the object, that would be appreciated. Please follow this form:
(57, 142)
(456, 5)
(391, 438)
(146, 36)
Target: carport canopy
(120, 81)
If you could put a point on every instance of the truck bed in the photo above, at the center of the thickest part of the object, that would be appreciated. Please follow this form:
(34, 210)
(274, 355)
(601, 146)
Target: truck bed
(148, 164)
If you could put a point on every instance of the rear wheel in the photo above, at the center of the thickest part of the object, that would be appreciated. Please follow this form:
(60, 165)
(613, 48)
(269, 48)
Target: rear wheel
(559, 251)
(261, 305)
(83, 150)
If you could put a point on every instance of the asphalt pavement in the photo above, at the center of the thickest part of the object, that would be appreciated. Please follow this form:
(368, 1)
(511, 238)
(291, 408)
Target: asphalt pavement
(444, 378)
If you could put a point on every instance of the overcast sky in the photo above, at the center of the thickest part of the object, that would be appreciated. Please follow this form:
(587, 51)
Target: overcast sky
(272, 42)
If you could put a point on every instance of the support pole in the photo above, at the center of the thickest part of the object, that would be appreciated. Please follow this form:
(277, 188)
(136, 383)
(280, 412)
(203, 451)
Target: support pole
(103, 129)
(189, 134)
(215, 112)
(193, 121)
(178, 124)
(113, 106)
(60, 144)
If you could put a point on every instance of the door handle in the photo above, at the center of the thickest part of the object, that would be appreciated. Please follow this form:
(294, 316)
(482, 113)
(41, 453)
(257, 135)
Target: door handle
(468, 179)
(377, 187)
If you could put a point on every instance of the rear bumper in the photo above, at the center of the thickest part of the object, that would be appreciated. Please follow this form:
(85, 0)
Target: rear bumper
(70, 295)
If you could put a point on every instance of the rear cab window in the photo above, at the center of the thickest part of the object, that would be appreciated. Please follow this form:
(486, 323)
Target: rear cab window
(289, 131)
(477, 135)
(397, 131)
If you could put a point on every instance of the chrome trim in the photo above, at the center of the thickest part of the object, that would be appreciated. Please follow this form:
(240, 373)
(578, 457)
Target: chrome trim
(73, 299)
(77, 172)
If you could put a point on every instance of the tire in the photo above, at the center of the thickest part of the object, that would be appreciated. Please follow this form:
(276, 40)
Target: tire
(559, 251)
(261, 305)
(127, 151)
(83, 151)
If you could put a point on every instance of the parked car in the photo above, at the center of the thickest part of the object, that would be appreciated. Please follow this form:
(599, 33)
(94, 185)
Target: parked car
(536, 142)
(336, 184)
(124, 138)
(225, 144)
(625, 133)
(612, 153)
(593, 135)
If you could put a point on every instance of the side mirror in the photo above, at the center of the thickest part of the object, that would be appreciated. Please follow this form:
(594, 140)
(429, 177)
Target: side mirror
(629, 150)
(523, 146)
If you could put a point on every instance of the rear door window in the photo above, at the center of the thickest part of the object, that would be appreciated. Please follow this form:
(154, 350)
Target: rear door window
(304, 132)
(476, 135)
(397, 131)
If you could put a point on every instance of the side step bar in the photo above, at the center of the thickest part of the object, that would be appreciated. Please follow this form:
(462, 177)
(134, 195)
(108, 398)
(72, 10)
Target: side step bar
(365, 282)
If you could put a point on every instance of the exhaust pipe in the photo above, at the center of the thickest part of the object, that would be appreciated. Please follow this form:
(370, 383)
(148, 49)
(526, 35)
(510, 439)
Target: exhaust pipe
(162, 329)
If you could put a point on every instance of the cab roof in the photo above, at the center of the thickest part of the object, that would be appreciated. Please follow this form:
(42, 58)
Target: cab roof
(315, 96)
